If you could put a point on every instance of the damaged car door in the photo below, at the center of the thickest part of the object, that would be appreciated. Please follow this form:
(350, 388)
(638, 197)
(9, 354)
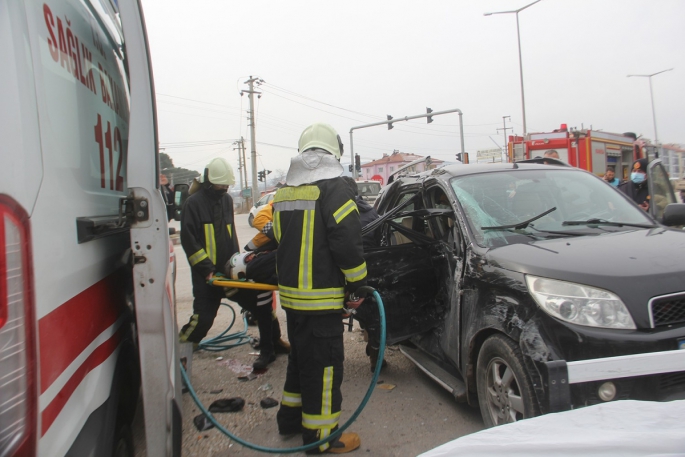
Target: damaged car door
(417, 270)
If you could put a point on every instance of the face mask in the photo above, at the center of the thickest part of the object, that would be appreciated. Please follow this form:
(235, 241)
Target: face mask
(220, 192)
(637, 178)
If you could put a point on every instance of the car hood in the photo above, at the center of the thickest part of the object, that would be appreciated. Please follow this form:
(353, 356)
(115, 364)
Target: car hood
(635, 265)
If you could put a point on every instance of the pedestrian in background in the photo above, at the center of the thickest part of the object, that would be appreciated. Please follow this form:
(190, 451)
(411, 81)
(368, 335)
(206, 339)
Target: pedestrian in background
(168, 195)
(636, 188)
(610, 177)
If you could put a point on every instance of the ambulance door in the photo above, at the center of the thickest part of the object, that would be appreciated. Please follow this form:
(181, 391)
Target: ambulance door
(155, 310)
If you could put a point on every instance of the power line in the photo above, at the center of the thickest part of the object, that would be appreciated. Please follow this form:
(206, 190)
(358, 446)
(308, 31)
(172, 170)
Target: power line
(323, 103)
(194, 100)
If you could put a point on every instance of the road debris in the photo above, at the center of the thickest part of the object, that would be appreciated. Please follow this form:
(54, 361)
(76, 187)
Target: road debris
(227, 405)
(202, 423)
(387, 386)
(268, 402)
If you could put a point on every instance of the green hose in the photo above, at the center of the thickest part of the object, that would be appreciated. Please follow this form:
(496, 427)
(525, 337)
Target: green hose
(269, 450)
(222, 341)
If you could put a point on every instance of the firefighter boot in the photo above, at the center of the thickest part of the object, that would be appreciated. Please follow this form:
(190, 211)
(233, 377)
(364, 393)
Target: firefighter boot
(347, 442)
(373, 357)
(263, 361)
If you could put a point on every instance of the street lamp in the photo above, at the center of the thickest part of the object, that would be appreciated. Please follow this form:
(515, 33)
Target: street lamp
(518, 34)
(651, 96)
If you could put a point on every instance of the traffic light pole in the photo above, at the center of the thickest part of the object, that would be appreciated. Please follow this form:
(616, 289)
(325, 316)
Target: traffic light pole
(391, 121)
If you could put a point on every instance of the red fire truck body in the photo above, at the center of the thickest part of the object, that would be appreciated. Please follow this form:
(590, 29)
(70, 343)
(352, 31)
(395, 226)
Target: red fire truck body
(590, 150)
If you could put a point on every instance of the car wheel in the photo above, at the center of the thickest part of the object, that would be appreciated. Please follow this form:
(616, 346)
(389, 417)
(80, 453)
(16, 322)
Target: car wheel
(250, 219)
(505, 393)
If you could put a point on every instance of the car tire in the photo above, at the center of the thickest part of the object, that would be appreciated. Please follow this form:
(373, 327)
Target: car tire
(250, 219)
(505, 393)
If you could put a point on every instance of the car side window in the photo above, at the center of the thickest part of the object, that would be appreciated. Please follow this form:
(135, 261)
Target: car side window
(442, 226)
(410, 222)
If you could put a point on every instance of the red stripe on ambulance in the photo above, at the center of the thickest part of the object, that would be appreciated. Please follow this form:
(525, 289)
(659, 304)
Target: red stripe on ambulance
(68, 330)
(98, 356)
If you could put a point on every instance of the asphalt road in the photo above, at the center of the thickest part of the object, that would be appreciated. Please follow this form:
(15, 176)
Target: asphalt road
(414, 416)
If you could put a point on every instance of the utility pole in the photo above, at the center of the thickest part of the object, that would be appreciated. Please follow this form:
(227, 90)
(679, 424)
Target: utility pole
(253, 149)
(242, 152)
(504, 132)
(241, 164)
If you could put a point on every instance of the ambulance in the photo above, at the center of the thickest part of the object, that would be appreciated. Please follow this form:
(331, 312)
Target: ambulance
(87, 318)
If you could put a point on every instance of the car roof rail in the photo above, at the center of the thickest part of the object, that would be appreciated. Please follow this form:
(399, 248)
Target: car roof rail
(396, 174)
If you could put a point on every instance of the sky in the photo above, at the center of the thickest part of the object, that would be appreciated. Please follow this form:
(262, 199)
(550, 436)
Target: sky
(350, 63)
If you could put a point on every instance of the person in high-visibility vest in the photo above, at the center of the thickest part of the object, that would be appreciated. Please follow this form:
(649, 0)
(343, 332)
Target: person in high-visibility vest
(320, 268)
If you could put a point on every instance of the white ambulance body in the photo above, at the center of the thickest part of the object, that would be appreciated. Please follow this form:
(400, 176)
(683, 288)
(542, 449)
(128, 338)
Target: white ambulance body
(86, 296)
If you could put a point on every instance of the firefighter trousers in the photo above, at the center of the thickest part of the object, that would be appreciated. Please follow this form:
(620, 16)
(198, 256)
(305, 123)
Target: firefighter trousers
(311, 396)
(260, 304)
(207, 300)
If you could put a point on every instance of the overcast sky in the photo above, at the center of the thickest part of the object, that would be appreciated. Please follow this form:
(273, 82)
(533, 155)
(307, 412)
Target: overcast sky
(351, 63)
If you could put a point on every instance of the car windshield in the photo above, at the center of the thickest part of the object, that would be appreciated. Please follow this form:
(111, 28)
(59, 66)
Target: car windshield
(519, 206)
(368, 189)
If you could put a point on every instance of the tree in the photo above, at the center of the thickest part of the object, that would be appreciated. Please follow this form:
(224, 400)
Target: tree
(165, 161)
(176, 175)
(276, 176)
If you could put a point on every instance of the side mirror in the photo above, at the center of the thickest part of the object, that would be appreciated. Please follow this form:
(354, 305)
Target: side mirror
(674, 215)
(180, 197)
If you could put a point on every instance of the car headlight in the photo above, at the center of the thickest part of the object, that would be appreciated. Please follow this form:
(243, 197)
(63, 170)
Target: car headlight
(579, 304)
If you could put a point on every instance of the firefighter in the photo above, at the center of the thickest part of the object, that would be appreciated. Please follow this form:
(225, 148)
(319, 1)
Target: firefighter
(208, 238)
(636, 187)
(320, 267)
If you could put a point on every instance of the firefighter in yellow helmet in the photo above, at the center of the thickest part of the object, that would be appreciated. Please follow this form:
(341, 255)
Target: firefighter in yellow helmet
(320, 267)
(209, 240)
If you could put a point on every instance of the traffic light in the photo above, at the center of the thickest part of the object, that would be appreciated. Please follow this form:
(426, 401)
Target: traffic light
(260, 176)
(266, 172)
(429, 118)
(357, 162)
(463, 157)
(390, 126)
(349, 167)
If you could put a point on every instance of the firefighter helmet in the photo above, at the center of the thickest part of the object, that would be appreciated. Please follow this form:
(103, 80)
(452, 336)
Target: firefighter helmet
(220, 172)
(321, 136)
(236, 268)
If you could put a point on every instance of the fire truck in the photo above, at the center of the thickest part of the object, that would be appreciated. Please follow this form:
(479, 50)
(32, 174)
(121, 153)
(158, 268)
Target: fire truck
(86, 285)
(591, 150)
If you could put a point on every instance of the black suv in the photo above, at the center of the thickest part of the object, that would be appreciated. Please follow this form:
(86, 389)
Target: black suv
(529, 288)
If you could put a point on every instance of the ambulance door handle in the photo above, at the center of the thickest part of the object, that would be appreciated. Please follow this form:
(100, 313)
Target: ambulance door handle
(92, 228)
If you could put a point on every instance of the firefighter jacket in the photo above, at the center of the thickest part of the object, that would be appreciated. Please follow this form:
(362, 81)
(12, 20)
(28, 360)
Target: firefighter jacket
(208, 231)
(320, 254)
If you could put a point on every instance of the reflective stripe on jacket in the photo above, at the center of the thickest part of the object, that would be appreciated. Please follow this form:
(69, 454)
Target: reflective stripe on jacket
(320, 254)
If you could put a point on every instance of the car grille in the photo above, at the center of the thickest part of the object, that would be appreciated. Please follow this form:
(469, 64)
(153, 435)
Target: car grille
(667, 310)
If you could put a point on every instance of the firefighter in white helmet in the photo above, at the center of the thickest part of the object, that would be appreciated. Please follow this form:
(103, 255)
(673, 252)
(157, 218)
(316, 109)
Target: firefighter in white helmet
(209, 240)
(320, 267)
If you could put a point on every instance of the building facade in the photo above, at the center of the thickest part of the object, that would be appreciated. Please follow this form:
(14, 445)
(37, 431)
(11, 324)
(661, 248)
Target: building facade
(381, 169)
